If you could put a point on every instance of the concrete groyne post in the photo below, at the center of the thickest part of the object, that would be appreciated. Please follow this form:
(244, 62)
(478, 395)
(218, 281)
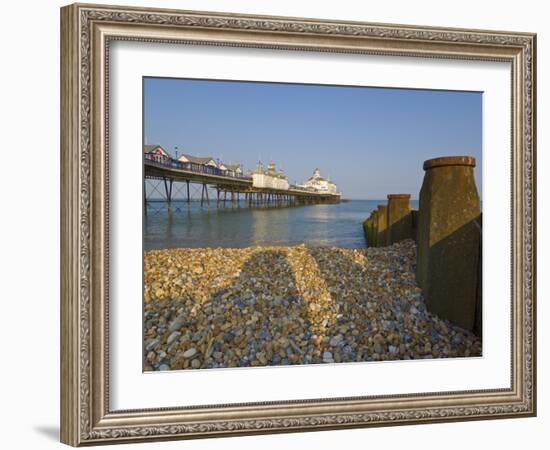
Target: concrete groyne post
(399, 218)
(449, 237)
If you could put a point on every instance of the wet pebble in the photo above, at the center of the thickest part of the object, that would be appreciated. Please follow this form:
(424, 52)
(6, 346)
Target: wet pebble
(173, 337)
(190, 353)
(152, 344)
(195, 364)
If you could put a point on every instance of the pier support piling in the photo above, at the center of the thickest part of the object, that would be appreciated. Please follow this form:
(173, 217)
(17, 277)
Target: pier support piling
(144, 199)
(204, 195)
(168, 191)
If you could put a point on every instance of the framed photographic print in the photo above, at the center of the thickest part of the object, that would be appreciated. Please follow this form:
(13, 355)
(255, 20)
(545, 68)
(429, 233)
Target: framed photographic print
(277, 224)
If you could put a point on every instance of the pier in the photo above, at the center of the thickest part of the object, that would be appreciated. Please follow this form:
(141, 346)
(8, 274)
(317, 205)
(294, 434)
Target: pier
(174, 176)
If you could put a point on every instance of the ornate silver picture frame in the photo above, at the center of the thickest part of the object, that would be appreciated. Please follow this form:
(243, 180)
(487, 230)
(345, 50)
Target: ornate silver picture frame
(87, 32)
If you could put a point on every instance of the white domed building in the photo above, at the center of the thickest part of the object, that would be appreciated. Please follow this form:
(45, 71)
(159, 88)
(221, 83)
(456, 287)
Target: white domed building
(319, 184)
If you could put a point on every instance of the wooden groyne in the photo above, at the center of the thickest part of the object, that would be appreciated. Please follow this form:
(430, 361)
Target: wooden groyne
(447, 230)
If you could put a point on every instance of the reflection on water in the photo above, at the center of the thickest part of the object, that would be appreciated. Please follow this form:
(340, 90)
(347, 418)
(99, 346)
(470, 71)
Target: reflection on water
(268, 227)
(239, 226)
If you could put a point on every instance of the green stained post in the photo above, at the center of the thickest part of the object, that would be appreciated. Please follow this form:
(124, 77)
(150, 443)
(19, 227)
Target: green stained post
(369, 227)
(382, 226)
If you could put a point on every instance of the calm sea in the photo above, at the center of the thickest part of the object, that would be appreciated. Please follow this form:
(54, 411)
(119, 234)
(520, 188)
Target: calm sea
(318, 225)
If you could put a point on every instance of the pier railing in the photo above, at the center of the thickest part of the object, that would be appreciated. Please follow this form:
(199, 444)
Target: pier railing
(194, 167)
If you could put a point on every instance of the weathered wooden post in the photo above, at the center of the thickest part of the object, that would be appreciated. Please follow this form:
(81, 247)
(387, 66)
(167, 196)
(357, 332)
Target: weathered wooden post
(449, 236)
(369, 227)
(382, 226)
(374, 229)
(399, 218)
(414, 224)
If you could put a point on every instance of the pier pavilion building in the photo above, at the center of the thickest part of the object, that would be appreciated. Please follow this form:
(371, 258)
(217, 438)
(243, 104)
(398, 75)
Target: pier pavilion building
(269, 178)
(319, 184)
(155, 152)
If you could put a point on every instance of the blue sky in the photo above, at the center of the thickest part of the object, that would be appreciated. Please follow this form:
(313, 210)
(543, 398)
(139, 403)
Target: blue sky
(370, 141)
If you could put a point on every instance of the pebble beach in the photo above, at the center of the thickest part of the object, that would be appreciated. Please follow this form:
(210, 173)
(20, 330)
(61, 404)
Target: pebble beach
(268, 305)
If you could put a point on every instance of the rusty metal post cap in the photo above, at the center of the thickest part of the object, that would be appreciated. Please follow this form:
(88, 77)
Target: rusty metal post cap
(390, 196)
(450, 161)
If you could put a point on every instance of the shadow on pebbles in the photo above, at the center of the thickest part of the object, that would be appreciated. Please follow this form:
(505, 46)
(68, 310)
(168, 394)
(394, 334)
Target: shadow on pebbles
(259, 306)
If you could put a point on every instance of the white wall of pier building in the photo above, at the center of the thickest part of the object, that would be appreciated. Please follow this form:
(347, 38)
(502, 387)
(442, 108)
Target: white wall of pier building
(269, 178)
